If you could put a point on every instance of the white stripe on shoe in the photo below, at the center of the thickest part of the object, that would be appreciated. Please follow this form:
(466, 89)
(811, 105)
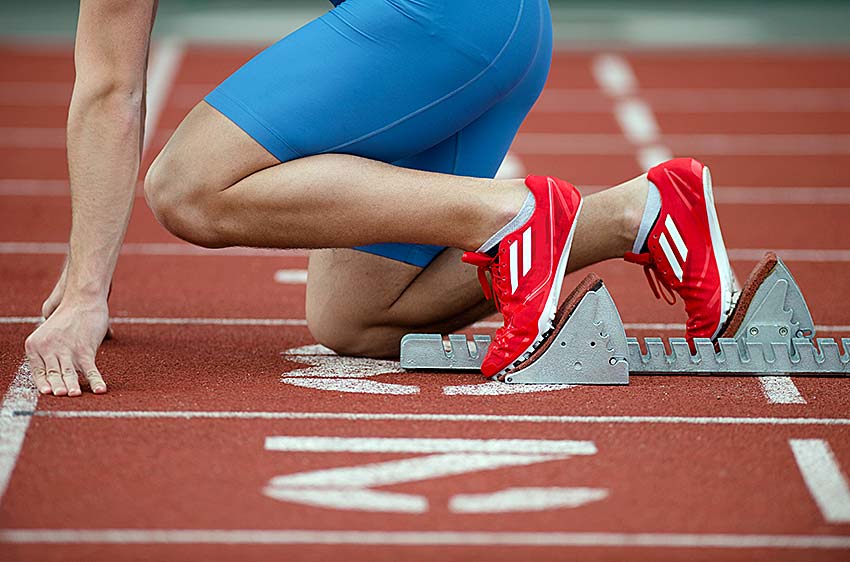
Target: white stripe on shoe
(671, 257)
(513, 266)
(677, 238)
(526, 251)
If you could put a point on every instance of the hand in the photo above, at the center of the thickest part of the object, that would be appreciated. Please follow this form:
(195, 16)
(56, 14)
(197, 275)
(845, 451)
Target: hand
(55, 298)
(66, 343)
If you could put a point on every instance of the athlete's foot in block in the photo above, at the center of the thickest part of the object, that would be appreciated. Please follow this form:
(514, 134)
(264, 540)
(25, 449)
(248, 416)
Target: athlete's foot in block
(685, 249)
(526, 272)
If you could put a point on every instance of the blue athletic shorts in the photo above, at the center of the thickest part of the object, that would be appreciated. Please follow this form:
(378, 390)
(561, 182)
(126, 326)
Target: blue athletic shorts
(437, 85)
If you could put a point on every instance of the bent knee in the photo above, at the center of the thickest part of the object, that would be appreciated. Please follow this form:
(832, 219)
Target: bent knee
(180, 203)
(354, 339)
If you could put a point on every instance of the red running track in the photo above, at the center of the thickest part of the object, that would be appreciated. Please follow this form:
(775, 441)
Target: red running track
(224, 435)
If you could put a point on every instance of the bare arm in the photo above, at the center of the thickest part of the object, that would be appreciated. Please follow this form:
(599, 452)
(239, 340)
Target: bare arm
(105, 131)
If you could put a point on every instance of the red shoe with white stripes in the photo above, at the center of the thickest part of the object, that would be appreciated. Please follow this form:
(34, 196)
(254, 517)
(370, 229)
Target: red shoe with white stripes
(527, 272)
(686, 250)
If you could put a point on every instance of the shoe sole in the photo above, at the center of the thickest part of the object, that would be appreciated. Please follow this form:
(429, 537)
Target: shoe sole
(590, 283)
(753, 283)
(546, 322)
(728, 283)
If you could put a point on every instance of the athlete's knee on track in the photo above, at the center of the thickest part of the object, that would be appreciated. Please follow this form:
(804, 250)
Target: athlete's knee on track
(181, 203)
(349, 336)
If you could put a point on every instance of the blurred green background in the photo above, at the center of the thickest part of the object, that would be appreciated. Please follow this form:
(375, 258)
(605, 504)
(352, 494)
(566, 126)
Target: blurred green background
(629, 23)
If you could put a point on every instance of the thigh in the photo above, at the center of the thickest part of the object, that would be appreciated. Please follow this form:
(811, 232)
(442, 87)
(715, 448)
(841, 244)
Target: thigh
(382, 80)
(414, 286)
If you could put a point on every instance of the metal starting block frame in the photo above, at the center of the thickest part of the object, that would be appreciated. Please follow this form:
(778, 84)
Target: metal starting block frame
(776, 338)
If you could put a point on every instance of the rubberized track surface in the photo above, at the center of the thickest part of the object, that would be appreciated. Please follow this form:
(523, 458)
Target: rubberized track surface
(213, 445)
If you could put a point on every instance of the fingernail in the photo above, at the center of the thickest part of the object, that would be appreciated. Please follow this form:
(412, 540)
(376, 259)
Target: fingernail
(100, 389)
(45, 390)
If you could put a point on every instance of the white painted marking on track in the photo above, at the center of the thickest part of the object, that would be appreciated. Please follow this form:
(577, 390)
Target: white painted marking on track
(702, 143)
(637, 121)
(424, 445)
(704, 100)
(616, 78)
(291, 276)
(274, 322)
(460, 418)
(496, 388)
(781, 390)
(614, 75)
(824, 478)
(331, 372)
(21, 396)
(165, 58)
(420, 538)
(351, 487)
(526, 499)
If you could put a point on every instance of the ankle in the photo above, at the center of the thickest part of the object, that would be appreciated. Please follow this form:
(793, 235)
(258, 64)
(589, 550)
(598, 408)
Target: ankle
(498, 208)
(635, 198)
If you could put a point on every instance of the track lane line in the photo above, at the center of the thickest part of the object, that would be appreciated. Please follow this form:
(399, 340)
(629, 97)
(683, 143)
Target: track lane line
(21, 395)
(463, 418)
(823, 477)
(780, 390)
(419, 538)
(200, 321)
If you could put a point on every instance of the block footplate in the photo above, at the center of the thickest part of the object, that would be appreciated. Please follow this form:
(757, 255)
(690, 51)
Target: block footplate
(770, 332)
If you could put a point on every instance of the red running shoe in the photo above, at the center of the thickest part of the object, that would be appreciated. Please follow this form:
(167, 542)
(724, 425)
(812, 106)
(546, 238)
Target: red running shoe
(686, 250)
(527, 272)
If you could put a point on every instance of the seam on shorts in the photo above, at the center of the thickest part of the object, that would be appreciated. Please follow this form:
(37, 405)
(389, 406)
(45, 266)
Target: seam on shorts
(441, 99)
(256, 118)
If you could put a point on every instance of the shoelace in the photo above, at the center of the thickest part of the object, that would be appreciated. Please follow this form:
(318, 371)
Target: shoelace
(487, 263)
(656, 283)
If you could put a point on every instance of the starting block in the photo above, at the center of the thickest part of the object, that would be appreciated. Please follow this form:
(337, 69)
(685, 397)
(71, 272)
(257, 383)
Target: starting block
(770, 332)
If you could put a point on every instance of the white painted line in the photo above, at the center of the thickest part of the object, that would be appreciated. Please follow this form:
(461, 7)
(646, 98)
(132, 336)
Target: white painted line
(418, 538)
(824, 478)
(291, 276)
(525, 499)
(704, 144)
(704, 100)
(781, 390)
(496, 388)
(616, 78)
(614, 75)
(782, 195)
(651, 156)
(37, 188)
(485, 418)
(427, 445)
(637, 121)
(165, 58)
(149, 249)
(32, 137)
(21, 396)
(808, 255)
(271, 322)
(176, 321)
(350, 487)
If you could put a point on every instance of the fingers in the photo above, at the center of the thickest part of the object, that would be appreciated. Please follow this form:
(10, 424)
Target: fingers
(69, 376)
(38, 370)
(54, 375)
(98, 386)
